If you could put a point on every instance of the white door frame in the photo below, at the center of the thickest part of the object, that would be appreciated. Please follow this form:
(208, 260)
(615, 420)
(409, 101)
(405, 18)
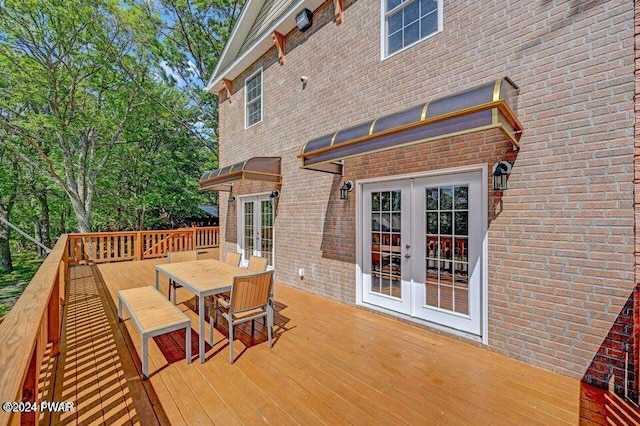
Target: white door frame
(240, 199)
(484, 250)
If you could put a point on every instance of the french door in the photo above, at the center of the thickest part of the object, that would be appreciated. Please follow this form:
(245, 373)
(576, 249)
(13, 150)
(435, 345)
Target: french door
(423, 248)
(256, 228)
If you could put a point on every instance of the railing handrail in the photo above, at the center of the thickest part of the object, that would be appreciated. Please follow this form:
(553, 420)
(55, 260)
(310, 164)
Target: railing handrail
(148, 231)
(100, 247)
(20, 331)
(102, 234)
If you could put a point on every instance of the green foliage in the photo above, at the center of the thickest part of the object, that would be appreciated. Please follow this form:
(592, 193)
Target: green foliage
(71, 78)
(159, 186)
(103, 103)
(13, 283)
(192, 35)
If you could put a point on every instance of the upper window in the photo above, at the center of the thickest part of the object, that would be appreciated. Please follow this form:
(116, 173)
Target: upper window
(406, 22)
(253, 99)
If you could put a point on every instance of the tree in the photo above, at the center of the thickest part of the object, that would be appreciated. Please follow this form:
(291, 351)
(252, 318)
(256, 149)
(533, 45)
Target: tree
(8, 193)
(193, 34)
(67, 91)
(82, 86)
(158, 187)
(39, 192)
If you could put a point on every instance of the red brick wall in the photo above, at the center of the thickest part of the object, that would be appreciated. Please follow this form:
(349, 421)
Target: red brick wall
(636, 336)
(561, 251)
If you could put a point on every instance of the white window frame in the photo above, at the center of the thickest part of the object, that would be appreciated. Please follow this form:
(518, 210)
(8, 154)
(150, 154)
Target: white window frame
(383, 28)
(246, 100)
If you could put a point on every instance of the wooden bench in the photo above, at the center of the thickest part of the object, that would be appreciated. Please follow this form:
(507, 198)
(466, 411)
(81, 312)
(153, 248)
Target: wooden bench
(153, 315)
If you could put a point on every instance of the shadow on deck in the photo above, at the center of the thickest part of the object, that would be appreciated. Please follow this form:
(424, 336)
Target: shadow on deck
(330, 364)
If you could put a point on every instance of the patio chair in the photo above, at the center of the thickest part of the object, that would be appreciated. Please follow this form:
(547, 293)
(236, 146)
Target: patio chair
(175, 257)
(232, 259)
(257, 263)
(250, 300)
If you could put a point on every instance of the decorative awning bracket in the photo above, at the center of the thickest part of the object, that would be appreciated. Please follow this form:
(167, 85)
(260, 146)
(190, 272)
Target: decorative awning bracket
(228, 85)
(338, 6)
(279, 41)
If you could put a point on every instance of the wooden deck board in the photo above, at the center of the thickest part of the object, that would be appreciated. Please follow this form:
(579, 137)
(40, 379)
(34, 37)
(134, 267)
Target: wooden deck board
(330, 364)
(457, 378)
(90, 371)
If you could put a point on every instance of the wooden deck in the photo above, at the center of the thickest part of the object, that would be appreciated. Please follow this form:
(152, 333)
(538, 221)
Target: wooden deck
(330, 364)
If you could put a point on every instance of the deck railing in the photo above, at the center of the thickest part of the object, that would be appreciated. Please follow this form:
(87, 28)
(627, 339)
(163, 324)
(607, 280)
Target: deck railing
(31, 330)
(100, 247)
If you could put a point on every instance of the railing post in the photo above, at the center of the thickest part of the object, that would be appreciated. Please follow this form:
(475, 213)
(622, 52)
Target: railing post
(62, 274)
(53, 321)
(30, 389)
(79, 251)
(138, 245)
(194, 238)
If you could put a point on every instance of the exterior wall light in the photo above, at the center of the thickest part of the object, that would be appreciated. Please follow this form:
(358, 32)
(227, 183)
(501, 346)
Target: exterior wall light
(501, 172)
(346, 187)
(232, 198)
(274, 194)
(304, 19)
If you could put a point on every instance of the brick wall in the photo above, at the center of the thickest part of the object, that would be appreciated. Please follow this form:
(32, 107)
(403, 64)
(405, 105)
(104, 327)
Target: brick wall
(561, 249)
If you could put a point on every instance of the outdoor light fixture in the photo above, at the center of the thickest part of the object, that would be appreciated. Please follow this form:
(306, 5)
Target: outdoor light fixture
(501, 172)
(304, 20)
(232, 198)
(274, 194)
(346, 187)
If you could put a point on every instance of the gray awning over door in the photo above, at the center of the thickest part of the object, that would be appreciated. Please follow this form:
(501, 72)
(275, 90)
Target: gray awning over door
(481, 108)
(256, 168)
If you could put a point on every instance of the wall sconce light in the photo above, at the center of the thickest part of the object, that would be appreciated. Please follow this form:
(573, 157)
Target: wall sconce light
(501, 172)
(346, 187)
(304, 20)
(232, 198)
(274, 194)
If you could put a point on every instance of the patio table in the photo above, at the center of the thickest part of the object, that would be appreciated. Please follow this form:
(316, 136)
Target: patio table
(203, 278)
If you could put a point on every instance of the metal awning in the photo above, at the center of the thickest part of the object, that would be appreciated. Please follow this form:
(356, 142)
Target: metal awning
(481, 108)
(256, 168)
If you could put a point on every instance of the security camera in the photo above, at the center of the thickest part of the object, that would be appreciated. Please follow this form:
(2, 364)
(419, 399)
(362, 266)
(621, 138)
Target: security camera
(303, 79)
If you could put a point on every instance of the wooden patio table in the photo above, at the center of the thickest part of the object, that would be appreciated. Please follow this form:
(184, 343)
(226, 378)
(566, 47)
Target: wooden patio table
(203, 278)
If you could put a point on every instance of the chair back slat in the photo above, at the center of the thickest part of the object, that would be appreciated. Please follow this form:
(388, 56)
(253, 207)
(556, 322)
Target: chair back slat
(232, 259)
(257, 263)
(251, 291)
(182, 256)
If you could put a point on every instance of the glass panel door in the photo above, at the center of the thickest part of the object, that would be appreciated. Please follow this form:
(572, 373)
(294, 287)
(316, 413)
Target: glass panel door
(257, 228)
(447, 216)
(248, 228)
(422, 247)
(266, 230)
(386, 233)
(447, 272)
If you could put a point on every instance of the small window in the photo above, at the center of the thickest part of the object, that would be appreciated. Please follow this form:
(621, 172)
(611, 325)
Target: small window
(253, 99)
(406, 22)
